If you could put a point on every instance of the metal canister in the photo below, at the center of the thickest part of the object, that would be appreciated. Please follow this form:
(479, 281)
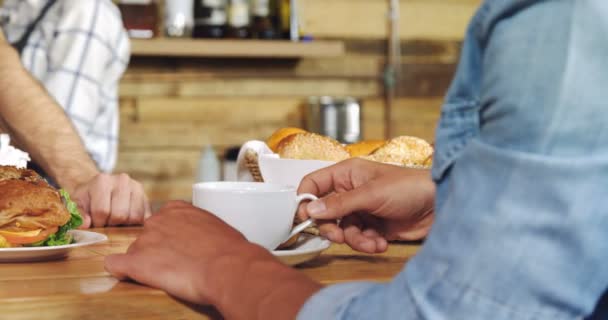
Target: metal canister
(339, 118)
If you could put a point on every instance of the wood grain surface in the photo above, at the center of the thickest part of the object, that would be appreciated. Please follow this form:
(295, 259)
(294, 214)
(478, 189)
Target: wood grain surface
(235, 48)
(79, 287)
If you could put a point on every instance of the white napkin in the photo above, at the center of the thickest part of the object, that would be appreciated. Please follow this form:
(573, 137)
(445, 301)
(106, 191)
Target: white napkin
(11, 156)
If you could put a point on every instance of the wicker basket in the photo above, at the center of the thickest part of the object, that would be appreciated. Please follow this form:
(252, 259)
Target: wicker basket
(251, 162)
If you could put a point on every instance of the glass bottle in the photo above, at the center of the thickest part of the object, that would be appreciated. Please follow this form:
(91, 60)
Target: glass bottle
(263, 12)
(179, 18)
(238, 19)
(140, 17)
(209, 169)
(210, 19)
(288, 15)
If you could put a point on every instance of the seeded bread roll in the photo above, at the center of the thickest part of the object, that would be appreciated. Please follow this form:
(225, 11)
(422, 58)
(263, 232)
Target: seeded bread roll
(310, 146)
(406, 151)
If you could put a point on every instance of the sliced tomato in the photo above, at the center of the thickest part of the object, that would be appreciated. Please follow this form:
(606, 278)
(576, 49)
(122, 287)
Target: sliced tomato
(24, 238)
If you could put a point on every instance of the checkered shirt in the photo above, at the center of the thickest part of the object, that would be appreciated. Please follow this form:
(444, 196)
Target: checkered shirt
(78, 52)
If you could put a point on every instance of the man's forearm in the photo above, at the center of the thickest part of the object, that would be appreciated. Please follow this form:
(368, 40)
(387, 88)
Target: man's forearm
(263, 288)
(39, 125)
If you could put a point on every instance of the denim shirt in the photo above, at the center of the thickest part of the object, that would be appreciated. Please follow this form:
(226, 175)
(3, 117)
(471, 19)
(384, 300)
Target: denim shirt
(521, 168)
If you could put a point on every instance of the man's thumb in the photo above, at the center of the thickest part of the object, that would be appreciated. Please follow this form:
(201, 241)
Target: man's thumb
(338, 205)
(118, 266)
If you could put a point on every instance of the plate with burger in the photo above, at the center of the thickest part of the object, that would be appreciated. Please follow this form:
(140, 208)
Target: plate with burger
(37, 221)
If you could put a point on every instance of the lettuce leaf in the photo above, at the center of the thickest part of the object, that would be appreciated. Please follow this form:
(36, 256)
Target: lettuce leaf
(61, 237)
(4, 243)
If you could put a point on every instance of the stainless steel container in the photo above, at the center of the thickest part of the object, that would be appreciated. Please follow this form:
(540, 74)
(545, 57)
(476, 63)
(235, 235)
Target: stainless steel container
(339, 118)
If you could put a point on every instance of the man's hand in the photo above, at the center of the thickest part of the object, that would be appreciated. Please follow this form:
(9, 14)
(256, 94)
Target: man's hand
(39, 126)
(195, 256)
(374, 203)
(112, 200)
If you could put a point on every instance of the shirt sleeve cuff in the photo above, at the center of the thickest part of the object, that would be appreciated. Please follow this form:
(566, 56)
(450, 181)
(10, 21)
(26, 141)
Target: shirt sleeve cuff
(331, 302)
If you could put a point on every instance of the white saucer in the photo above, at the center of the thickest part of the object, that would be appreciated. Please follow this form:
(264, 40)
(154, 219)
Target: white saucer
(30, 254)
(307, 248)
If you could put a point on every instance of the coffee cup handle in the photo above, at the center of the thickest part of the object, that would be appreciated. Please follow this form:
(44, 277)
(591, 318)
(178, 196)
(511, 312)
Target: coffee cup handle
(308, 223)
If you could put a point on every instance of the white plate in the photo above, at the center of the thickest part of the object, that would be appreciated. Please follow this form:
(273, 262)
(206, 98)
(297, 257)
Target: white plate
(307, 248)
(25, 254)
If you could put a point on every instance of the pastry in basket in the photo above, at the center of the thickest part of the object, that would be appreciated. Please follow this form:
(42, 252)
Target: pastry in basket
(310, 146)
(364, 148)
(406, 151)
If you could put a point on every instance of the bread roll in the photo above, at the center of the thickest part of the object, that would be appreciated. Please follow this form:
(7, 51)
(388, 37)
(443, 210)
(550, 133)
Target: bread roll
(404, 150)
(310, 146)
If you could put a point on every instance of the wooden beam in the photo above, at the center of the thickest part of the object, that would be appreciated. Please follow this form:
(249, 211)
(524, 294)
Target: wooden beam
(250, 87)
(163, 47)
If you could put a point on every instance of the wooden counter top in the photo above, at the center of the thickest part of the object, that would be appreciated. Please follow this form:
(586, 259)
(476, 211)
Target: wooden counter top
(80, 288)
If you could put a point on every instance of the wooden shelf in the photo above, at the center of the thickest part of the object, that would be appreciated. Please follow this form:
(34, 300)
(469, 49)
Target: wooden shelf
(235, 48)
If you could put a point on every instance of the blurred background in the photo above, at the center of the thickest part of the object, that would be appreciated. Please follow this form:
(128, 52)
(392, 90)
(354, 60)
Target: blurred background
(207, 75)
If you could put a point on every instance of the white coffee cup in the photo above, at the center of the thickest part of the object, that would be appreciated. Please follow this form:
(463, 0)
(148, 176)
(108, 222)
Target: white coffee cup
(262, 212)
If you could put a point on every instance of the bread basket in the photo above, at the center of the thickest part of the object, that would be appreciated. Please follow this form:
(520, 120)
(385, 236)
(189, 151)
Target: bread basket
(253, 165)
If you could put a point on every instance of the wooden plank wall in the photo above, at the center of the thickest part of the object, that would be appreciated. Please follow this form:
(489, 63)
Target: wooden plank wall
(172, 108)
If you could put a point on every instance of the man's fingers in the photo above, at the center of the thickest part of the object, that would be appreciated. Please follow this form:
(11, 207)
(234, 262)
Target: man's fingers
(331, 231)
(118, 265)
(136, 210)
(354, 237)
(100, 194)
(174, 204)
(121, 198)
(147, 207)
(381, 243)
(81, 198)
(301, 213)
(374, 229)
(362, 235)
(345, 175)
(86, 220)
(137, 207)
(321, 182)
